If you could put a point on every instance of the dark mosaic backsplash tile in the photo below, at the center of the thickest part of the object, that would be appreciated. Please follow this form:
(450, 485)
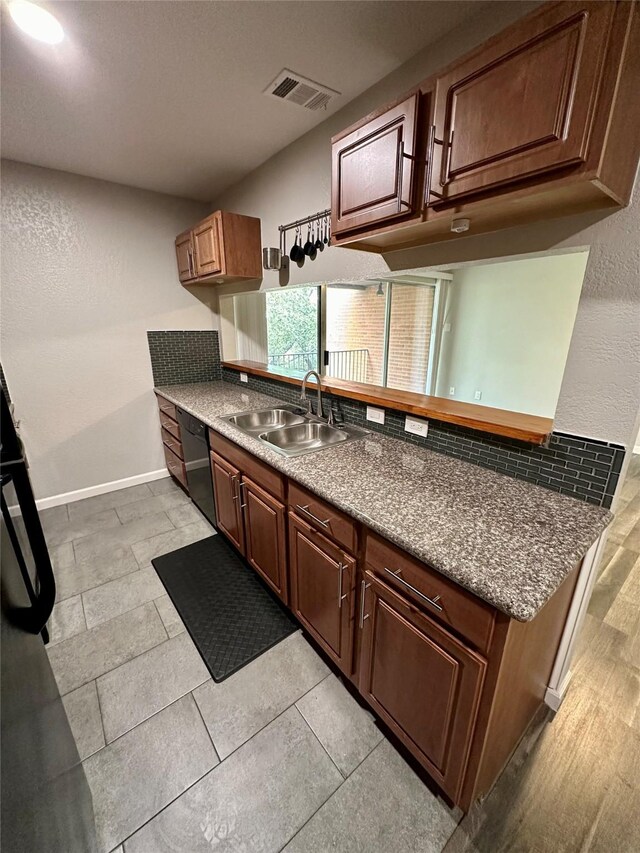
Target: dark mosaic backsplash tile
(189, 356)
(583, 468)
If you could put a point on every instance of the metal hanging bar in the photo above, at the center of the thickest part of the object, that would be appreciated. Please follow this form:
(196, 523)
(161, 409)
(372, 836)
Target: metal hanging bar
(314, 217)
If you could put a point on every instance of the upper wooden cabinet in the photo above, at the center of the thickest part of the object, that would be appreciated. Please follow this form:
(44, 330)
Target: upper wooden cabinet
(373, 168)
(542, 120)
(224, 247)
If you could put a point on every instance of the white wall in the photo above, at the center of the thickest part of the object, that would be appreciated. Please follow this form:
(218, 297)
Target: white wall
(600, 394)
(510, 330)
(87, 268)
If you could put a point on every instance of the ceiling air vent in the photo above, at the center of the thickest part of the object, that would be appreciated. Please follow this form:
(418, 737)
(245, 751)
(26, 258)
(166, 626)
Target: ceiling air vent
(289, 86)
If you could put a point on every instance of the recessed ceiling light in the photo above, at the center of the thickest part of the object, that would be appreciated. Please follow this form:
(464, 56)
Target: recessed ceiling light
(36, 22)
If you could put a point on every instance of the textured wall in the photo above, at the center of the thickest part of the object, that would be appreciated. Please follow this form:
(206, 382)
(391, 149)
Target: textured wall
(87, 268)
(600, 394)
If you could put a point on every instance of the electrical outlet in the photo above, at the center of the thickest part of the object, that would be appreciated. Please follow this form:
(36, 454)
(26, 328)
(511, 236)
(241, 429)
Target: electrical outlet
(375, 415)
(416, 426)
(477, 395)
(446, 327)
(244, 377)
(452, 390)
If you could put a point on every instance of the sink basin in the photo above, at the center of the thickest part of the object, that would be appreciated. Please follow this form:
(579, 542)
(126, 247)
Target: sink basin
(303, 438)
(268, 419)
(285, 430)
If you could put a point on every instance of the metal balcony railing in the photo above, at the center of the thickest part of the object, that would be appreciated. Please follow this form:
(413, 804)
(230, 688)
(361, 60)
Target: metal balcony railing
(351, 365)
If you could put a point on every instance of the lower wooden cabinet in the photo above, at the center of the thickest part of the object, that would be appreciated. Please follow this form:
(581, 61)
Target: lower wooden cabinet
(455, 680)
(421, 680)
(253, 521)
(322, 579)
(226, 489)
(265, 539)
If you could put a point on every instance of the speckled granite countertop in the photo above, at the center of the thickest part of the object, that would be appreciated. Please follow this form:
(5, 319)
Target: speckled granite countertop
(509, 542)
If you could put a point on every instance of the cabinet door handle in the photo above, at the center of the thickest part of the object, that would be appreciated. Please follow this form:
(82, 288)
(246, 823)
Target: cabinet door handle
(341, 597)
(234, 480)
(364, 586)
(431, 601)
(428, 192)
(305, 510)
(241, 486)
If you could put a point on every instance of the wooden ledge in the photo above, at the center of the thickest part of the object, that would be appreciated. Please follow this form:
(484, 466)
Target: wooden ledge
(530, 428)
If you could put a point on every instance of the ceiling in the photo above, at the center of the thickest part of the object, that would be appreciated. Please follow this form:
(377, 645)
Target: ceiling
(168, 95)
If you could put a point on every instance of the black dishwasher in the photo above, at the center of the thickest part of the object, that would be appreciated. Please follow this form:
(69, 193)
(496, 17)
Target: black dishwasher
(195, 446)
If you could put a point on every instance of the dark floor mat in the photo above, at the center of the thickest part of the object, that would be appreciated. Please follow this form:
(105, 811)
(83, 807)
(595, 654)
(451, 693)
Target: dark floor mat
(231, 615)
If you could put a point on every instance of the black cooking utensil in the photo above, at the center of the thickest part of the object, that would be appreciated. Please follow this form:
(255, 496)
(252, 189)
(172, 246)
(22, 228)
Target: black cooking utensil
(309, 245)
(296, 253)
(326, 230)
(319, 244)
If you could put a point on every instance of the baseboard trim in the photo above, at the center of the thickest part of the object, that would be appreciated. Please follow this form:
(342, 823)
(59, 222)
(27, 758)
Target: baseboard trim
(101, 489)
(555, 697)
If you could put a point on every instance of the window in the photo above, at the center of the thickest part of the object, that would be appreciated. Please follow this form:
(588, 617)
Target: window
(381, 333)
(292, 328)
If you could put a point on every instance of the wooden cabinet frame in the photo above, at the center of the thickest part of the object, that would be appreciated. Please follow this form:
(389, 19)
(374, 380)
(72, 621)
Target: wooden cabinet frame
(222, 248)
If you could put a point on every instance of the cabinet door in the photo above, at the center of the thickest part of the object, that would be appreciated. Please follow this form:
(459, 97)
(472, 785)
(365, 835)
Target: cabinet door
(184, 257)
(523, 104)
(207, 248)
(226, 488)
(420, 679)
(322, 578)
(373, 170)
(264, 523)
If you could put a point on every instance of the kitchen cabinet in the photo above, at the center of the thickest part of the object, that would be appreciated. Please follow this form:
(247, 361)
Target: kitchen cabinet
(172, 441)
(542, 120)
(264, 523)
(373, 168)
(226, 489)
(322, 589)
(249, 512)
(224, 247)
(420, 679)
(185, 257)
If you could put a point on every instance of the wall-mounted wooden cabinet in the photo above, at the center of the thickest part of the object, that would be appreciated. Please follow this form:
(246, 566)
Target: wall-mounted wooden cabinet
(542, 120)
(224, 247)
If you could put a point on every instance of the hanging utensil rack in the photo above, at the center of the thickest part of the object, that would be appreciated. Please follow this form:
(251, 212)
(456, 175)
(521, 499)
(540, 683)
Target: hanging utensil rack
(321, 215)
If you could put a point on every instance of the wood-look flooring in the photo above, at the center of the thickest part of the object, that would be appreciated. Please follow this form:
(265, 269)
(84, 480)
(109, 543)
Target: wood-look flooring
(573, 785)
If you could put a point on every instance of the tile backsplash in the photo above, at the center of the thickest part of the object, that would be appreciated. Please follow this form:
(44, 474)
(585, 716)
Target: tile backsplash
(184, 356)
(584, 468)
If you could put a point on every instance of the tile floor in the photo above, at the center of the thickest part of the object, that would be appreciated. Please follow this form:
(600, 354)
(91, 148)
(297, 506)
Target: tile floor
(280, 756)
(277, 757)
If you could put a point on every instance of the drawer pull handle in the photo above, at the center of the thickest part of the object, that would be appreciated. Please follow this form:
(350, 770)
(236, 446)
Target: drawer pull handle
(341, 597)
(364, 586)
(166, 408)
(306, 511)
(432, 601)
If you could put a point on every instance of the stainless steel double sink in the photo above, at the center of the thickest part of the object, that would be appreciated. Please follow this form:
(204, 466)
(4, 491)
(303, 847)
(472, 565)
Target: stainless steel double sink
(289, 431)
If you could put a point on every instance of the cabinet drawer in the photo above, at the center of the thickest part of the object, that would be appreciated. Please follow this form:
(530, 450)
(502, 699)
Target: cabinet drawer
(172, 443)
(261, 473)
(167, 408)
(170, 425)
(175, 465)
(324, 517)
(441, 598)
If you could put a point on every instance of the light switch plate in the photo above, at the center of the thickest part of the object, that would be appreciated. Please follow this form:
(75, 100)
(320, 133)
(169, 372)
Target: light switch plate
(244, 377)
(416, 426)
(375, 415)
(477, 395)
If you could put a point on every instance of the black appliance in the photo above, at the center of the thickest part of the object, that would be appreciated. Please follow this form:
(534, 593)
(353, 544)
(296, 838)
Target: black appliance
(195, 447)
(46, 801)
